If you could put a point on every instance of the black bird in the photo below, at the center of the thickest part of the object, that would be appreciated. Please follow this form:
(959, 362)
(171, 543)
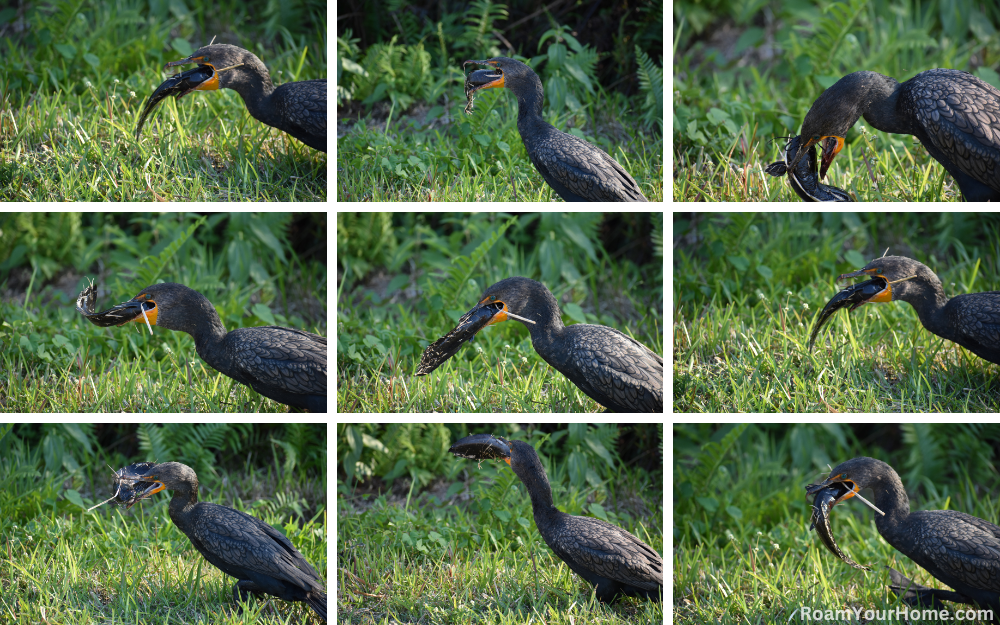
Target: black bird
(286, 365)
(616, 371)
(260, 557)
(298, 108)
(613, 560)
(958, 549)
(578, 171)
(971, 320)
(955, 115)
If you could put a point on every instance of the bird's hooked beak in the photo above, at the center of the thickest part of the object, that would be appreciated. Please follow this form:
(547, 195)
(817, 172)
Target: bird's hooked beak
(212, 84)
(852, 490)
(510, 449)
(484, 79)
(151, 490)
(140, 309)
(502, 315)
(883, 296)
(831, 146)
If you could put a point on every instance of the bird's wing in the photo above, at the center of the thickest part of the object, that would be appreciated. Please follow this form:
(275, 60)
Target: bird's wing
(610, 552)
(956, 548)
(237, 541)
(290, 360)
(976, 317)
(962, 115)
(620, 367)
(583, 168)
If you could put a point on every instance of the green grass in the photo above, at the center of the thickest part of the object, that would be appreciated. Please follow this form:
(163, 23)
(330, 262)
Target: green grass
(506, 375)
(133, 380)
(731, 359)
(743, 551)
(742, 320)
(113, 566)
(476, 556)
(876, 169)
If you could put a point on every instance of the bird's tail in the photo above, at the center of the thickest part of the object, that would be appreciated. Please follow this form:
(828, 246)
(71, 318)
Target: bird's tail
(317, 601)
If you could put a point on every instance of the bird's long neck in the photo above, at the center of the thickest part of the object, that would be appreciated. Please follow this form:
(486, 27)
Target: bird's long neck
(926, 295)
(881, 96)
(861, 93)
(530, 100)
(181, 503)
(548, 327)
(208, 333)
(890, 497)
(253, 83)
(538, 487)
(529, 469)
(190, 311)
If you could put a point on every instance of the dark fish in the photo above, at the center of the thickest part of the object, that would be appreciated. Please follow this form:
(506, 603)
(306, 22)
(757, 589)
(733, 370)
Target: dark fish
(825, 499)
(477, 79)
(114, 316)
(853, 296)
(445, 347)
(129, 489)
(481, 447)
(178, 86)
(804, 177)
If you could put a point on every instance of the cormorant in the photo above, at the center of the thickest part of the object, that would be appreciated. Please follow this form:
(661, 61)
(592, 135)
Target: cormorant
(613, 560)
(958, 549)
(909, 591)
(286, 365)
(261, 558)
(578, 171)
(955, 115)
(616, 371)
(298, 108)
(971, 320)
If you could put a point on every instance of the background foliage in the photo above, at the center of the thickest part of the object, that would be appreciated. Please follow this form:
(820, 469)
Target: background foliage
(749, 259)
